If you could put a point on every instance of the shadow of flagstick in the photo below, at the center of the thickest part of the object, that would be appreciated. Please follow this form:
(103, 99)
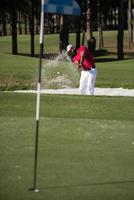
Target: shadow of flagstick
(88, 184)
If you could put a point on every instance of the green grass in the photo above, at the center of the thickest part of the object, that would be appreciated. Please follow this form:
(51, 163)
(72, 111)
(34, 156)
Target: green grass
(21, 72)
(116, 74)
(51, 44)
(17, 72)
(86, 143)
(86, 147)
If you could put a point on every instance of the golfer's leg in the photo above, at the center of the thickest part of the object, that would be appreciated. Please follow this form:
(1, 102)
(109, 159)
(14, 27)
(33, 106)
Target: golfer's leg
(91, 81)
(83, 82)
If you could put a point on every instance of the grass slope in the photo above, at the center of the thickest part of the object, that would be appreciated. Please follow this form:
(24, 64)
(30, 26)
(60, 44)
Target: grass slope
(17, 72)
(116, 74)
(86, 147)
(21, 72)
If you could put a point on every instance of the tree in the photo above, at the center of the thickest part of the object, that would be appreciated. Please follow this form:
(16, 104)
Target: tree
(100, 25)
(78, 26)
(130, 25)
(91, 42)
(120, 36)
(89, 23)
(12, 8)
(13, 13)
(3, 22)
(31, 24)
(25, 23)
(64, 33)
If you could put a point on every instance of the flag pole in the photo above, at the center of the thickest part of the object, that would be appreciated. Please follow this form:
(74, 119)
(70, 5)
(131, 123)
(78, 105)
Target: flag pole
(38, 99)
(52, 7)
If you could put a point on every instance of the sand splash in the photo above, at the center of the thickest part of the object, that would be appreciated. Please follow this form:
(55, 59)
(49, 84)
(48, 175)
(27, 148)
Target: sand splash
(57, 73)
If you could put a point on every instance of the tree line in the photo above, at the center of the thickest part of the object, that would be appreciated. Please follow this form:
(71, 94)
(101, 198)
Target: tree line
(23, 17)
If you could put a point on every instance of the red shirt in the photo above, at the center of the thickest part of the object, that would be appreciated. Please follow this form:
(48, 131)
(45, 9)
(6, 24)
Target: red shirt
(88, 61)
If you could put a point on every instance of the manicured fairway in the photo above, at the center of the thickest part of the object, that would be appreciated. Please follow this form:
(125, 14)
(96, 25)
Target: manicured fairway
(86, 147)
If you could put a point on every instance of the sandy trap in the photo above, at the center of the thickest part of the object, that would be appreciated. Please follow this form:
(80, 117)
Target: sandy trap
(75, 91)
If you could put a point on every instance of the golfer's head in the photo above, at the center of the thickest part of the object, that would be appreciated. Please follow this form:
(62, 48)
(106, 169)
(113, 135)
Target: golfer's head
(70, 49)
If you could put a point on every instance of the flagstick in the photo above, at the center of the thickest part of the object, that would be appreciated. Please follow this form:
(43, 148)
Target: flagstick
(38, 100)
(75, 11)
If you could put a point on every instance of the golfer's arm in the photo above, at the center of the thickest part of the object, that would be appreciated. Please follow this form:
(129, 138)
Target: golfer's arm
(82, 57)
(77, 64)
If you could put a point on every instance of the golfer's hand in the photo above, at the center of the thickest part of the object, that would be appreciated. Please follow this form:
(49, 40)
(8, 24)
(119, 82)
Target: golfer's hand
(78, 66)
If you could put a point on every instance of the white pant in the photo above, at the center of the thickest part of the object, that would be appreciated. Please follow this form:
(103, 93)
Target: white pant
(87, 82)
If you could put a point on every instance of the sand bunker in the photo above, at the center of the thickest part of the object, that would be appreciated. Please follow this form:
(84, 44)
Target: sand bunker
(75, 91)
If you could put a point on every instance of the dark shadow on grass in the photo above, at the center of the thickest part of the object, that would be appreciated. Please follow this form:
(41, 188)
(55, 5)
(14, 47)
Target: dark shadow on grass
(99, 56)
(105, 59)
(45, 56)
(88, 184)
(107, 56)
(52, 56)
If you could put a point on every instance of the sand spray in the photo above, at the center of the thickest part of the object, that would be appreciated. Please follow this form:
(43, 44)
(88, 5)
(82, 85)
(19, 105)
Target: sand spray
(58, 73)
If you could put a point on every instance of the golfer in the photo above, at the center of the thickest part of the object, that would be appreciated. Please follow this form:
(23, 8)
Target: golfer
(83, 60)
